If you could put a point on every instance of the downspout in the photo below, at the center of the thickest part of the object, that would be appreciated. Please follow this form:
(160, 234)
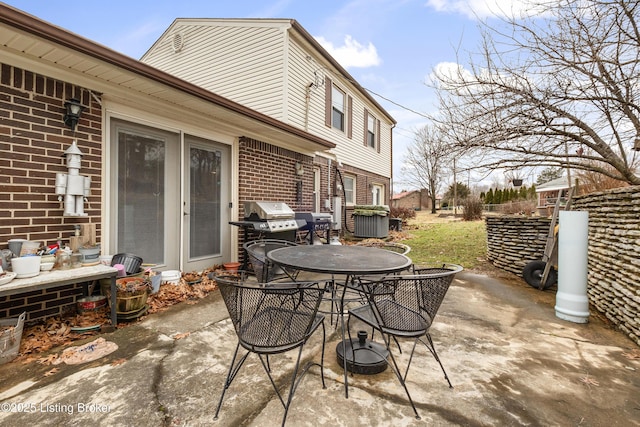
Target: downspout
(307, 102)
(391, 179)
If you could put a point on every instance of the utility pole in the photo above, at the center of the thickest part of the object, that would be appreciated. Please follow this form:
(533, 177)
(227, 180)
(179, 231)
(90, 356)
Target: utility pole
(455, 189)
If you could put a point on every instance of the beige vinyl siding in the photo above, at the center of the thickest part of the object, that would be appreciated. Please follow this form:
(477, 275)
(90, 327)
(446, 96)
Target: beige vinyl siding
(350, 151)
(354, 152)
(299, 77)
(268, 68)
(244, 64)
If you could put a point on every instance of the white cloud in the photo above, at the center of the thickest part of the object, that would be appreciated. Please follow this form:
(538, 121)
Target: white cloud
(486, 8)
(352, 54)
(445, 72)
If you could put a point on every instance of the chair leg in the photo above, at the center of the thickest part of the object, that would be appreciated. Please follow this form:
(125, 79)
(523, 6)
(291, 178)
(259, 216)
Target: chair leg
(432, 349)
(296, 377)
(396, 370)
(233, 370)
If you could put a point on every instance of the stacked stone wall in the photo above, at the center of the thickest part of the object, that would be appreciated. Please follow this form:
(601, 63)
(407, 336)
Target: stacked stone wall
(513, 241)
(614, 255)
(614, 251)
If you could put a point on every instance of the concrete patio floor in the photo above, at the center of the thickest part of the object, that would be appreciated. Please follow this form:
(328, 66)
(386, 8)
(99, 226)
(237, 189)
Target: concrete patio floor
(510, 359)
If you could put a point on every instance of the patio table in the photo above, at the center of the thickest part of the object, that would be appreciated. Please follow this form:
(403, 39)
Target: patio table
(348, 260)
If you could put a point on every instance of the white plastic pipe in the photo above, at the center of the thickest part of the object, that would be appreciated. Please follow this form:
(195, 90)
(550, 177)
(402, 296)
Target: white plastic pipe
(572, 302)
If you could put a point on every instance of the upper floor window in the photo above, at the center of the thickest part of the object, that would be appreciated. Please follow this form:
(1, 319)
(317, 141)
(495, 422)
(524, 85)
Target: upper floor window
(372, 133)
(337, 108)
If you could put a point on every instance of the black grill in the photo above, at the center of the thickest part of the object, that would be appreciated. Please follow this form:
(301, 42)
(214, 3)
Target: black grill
(317, 223)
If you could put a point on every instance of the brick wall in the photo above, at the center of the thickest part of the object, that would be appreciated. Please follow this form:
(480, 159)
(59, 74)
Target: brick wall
(267, 172)
(415, 200)
(363, 192)
(41, 304)
(33, 138)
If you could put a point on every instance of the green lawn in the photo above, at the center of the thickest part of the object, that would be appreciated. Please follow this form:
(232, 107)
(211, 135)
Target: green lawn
(458, 242)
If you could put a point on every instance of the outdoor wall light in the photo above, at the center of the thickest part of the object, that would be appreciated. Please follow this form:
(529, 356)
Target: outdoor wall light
(299, 169)
(72, 114)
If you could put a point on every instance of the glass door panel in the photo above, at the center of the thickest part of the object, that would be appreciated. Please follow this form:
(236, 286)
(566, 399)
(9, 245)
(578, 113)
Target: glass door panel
(144, 193)
(206, 214)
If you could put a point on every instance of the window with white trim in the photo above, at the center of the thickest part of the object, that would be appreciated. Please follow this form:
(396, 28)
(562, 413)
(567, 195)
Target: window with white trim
(371, 131)
(349, 183)
(377, 194)
(338, 108)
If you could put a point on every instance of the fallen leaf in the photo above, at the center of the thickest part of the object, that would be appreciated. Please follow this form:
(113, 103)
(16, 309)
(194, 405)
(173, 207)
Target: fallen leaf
(51, 372)
(180, 336)
(118, 362)
(48, 360)
(589, 381)
(633, 354)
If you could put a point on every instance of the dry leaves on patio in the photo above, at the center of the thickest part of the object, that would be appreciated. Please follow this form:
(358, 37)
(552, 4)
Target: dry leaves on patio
(53, 332)
(57, 331)
(169, 295)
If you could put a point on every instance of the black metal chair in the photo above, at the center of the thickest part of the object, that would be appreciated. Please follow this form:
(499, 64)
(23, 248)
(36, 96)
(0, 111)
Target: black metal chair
(265, 270)
(404, 306)
(272, 318)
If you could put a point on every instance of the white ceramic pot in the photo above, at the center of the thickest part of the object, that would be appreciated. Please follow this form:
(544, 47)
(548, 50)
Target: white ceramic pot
(46, 266)
(90, 255)
(26, 266)
(171, 276)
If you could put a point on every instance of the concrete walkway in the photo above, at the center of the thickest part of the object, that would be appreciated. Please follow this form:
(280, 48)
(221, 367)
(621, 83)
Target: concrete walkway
(510, 359)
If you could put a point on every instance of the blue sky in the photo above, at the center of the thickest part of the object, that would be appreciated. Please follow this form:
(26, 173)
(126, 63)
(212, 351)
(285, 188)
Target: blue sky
(389, 46)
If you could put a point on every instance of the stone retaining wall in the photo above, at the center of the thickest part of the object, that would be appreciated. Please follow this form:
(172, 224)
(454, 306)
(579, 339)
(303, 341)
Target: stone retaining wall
(513, 241)
(614, 251)
(614, 255)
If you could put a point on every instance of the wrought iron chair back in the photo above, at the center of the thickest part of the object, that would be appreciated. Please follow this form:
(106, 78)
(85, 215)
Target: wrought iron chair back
(404, 306)
(271, 318)
(265, 270)
(435, 288)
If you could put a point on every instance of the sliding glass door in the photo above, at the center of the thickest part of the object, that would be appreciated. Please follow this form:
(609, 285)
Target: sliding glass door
(170, 209)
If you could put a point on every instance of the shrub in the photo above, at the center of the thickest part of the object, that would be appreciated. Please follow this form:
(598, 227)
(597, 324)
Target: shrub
(471, 209)
(522, 207)
(403, 213)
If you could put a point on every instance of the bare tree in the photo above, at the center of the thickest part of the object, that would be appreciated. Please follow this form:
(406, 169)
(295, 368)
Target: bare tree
(561, 89)
(427, 160)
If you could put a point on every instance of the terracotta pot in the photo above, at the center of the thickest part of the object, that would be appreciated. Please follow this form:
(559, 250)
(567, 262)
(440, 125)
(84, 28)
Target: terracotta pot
(231, 266)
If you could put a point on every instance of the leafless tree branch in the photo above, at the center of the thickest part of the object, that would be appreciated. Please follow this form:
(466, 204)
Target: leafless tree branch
(557, 90)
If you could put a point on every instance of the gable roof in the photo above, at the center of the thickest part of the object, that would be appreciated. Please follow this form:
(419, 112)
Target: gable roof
(404, 194)
(32, 39)
(555, 184)
(290, 24)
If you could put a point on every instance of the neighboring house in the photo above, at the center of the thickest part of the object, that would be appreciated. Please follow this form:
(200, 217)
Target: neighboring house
(169, 160)
(549, 192)
(276, 67)
(415, 199)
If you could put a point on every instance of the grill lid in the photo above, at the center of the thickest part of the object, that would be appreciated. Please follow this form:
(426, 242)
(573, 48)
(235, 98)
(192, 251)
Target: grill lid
(261, 210)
